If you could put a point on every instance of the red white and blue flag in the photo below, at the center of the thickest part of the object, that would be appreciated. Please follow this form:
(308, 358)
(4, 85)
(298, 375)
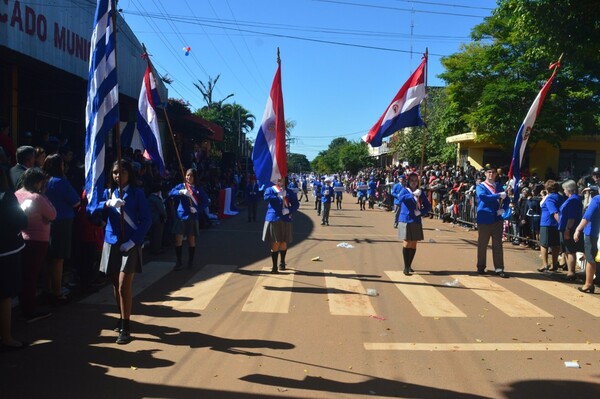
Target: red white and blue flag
(147, 123)
(403, 111)
(514, 173)
(269, 153)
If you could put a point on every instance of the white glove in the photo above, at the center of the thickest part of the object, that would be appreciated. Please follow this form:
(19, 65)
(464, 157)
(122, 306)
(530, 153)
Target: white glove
(125, 247)
(281, 193)
(417, 192)
(183, 191)
(502, 195)
(26, 205)
(115, 203)
(285, 211)
(500, 212)
(417, 212)
(193, 210)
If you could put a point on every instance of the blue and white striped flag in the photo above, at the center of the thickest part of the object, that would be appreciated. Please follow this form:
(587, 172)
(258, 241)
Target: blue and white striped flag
(102, 108)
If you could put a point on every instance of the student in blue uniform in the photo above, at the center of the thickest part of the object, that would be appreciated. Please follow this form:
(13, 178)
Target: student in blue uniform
(189, 207)
(492, 202)
(122, 251)
(304, 189)
(337, 186)
(317, 186)
(413, 204)
(277, 230)
(252, 198)
(361, 193)
(590, 227)
(326, 199)
(372, 190)
(549, 235)
(396, 189)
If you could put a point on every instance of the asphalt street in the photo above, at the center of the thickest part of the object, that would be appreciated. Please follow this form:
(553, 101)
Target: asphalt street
(340, 322)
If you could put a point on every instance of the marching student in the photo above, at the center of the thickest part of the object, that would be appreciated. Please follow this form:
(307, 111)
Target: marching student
(188, 214)
(396, 189)
(338, 187)
(128, 221)
(361, 193)
(413, 204)
(277, 230)
(317, 187)
(326, 199)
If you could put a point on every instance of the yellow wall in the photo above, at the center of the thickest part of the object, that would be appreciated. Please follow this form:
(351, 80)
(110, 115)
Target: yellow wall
(542, 155)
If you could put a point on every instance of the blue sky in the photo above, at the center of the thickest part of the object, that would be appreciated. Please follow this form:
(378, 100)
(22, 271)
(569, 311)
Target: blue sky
(329, 90)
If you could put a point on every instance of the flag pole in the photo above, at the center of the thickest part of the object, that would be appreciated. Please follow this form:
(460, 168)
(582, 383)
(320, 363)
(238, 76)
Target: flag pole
(181, 170)
(424, 113)
(117, 127)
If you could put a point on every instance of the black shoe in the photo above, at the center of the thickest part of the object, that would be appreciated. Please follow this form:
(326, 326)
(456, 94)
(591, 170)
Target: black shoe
(501, 274)
(178, 266)
(39, 315)
(282, 266)
(481, 271)
(118, 326)
(570, 277)
(124, 337)
(327, 223)
(543, 269)
(588, 290)
(406, 272)
(274, 270)
(410, 269)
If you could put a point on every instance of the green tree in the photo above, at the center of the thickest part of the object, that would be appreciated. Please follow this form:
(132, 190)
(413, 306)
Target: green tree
(342, 155)
(297, 163)
(493, 80)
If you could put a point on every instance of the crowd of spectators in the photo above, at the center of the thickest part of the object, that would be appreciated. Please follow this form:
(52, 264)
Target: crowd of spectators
(61, 252)
(451, 191)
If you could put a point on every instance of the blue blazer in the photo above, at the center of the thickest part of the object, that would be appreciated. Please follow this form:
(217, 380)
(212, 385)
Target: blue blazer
(488, 203)
(408, 206)
(185, 202)
(326, 193)
(396, 193)
(275, 205)
(137, 211)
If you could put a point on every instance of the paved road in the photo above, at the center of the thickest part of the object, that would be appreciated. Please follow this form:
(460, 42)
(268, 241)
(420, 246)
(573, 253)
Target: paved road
(229, 329)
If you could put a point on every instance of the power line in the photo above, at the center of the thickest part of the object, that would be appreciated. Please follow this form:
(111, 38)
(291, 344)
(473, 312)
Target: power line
(346, 3)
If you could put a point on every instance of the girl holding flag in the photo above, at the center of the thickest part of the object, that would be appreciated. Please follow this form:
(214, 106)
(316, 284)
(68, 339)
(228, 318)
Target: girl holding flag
(128, 222)
(188, 215)
(277, 230)
(413, 203)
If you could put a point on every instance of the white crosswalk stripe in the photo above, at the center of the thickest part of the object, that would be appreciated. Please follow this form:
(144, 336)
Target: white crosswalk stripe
(501, 298)
(271, 293)
(428, 300)
(564, 292)
(201, 288)
(152, 272)
(346, 294)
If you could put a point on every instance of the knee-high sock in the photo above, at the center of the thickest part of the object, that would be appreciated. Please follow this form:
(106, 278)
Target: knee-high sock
(178, 253)
(413, 251)
(283, 253)
(191, 251)
(274, 258)
(406, 256)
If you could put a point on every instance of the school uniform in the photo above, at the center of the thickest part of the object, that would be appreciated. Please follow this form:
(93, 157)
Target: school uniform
(410, 225)
(278, 227)
(136, 223)
(326, 199)
(188, 209)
